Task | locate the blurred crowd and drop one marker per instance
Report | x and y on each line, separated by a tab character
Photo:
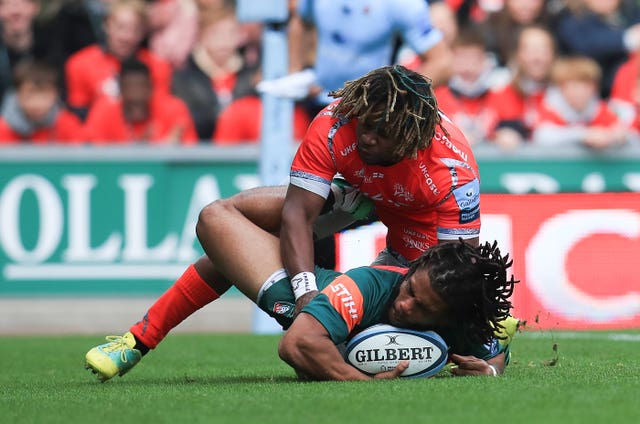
507	72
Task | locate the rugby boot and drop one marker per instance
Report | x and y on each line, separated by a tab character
116	357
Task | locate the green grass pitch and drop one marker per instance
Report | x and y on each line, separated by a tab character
222	378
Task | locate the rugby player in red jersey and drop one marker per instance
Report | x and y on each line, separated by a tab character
387	138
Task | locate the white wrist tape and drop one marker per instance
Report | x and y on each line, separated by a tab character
494	372
303	283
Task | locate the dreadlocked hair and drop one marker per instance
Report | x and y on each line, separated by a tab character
473	282
396	99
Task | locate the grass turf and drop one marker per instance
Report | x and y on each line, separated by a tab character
221	378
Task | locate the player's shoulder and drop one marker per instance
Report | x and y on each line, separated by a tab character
87	55
333	129
448	142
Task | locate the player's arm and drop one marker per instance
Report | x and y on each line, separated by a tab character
470	365
300	210
308	348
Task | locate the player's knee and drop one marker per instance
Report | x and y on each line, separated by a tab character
210	215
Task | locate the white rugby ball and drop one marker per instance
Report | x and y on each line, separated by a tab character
381	347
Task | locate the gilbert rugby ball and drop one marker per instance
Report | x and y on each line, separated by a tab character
381	347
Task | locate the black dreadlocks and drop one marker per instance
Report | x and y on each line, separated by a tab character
473	283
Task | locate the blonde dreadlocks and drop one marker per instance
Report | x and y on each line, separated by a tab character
393	97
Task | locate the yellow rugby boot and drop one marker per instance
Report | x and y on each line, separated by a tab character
116	357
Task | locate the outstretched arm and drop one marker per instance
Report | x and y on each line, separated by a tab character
470	365
307	347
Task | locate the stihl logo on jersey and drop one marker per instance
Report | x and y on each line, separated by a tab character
346	298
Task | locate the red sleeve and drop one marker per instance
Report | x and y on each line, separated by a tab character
78	94
507	104
300	122
69	128
183	117
7	135
239	122
605	117
625	81
103	124
445	102
547	116
161	71
314	158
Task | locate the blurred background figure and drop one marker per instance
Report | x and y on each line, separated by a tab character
91	73
20	37
605	30
500	26
466	99
241	122
173	27
625	92
75	24
34	113
572	111
517	104
141	114
443	17
342	41
215	73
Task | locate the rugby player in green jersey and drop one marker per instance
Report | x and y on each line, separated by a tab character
460	291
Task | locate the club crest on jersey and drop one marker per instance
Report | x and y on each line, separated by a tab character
400	191
283	308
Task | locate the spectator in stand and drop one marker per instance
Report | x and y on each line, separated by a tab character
625	92
92	72
241	122
499	27
20	38
215	73
141	114
173	27
443	18
34	112
517	104
605	30
473	12
78	24
572	111
466	99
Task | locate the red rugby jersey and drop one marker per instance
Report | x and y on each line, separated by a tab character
106	123
435	196
91	74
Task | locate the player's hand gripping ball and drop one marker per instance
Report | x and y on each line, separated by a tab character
381	347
